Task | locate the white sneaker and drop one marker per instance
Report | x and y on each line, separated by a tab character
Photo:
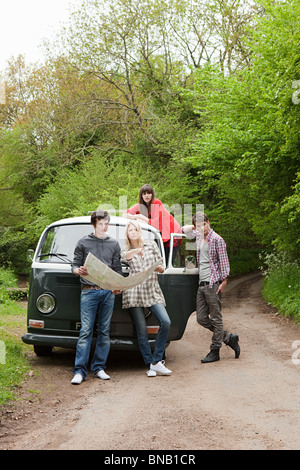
102	375
160	368
77	379
151	373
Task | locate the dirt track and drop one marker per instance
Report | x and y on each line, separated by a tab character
248	403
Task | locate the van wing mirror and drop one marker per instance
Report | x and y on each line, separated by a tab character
190	262
30	254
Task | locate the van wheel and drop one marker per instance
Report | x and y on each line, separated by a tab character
42	350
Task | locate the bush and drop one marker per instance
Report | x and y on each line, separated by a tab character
245	261
282	284
7	279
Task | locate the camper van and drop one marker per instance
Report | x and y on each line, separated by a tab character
53	317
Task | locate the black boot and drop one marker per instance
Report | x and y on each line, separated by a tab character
212	356
233	344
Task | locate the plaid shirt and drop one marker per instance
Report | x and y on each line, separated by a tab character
147	293
218	258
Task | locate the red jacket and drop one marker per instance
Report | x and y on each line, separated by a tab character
161	219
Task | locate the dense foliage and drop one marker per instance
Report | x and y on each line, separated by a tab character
199	100
282	284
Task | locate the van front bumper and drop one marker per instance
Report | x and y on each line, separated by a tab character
71	341
50	340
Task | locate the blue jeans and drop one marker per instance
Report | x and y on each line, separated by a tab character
94	302
163	319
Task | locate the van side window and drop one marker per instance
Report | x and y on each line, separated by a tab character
186	256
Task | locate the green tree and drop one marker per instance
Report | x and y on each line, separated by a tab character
110	97
249	146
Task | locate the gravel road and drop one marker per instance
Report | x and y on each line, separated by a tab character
248	403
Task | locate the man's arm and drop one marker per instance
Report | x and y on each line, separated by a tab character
116	260
78	261
224	264
116	264
222	286
189	231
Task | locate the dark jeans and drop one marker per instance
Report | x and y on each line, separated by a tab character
162	316
209	314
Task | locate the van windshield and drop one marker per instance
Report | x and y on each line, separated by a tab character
59	242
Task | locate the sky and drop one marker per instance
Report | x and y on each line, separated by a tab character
25	23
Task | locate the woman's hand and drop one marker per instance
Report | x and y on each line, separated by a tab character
142	218
134	251
160	269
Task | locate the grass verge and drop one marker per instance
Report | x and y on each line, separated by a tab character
13	359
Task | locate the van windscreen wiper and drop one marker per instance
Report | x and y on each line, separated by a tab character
58	255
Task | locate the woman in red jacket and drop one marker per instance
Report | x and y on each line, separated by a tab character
153	212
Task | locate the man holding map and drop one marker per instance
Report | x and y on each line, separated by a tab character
94	299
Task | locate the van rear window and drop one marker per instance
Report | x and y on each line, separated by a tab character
59	242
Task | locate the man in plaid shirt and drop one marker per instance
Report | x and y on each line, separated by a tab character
213	265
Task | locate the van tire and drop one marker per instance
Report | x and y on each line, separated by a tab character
42	350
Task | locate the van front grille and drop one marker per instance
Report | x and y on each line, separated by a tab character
67	281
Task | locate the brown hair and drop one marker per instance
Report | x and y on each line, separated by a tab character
146	189
144	209
98	215
199	217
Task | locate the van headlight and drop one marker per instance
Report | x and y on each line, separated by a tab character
45	303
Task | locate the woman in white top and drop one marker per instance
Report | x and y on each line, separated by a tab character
140	255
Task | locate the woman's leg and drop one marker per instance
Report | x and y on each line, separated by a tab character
164	327
139	320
